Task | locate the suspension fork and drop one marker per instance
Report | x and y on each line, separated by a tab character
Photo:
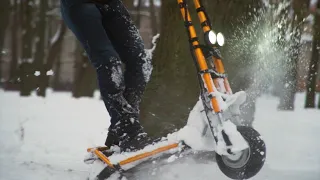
202	66
199	56
206	27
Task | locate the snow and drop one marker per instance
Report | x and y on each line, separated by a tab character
172	158
116	75
50	72
147	3
147	65
56	36
313	2
236	139
4	51
42	137
47	138
197	123
294	135
37	73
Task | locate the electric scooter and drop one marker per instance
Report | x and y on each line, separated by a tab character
239	150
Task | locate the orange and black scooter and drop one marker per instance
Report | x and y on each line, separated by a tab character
240	151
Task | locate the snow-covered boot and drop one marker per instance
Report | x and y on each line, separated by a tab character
112	139
129	135
138	142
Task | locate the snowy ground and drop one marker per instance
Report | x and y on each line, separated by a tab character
46	139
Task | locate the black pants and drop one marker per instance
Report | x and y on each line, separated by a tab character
111	39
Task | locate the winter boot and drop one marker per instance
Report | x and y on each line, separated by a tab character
137	142
129	135
112	139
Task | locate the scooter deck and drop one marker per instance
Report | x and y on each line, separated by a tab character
135	157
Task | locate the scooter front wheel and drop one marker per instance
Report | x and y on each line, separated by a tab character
247	163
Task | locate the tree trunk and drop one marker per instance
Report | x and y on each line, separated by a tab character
78	54
173	89
4	21
138	14
128	4
57	85
312	76
12	83
153	18
54	50
319	102
39	56
289	84
26	69
85	81
313	67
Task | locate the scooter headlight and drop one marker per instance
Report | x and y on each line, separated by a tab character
220	39
211	37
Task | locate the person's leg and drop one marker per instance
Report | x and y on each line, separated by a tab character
128	43
85	21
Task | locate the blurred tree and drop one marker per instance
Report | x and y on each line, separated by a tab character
25	68
295	22
5	7
153	18
131	8
52	16
319	102
56	85
129	4
85	82
312	75
313	66
39	56
54	50
138	13
173	89
12	83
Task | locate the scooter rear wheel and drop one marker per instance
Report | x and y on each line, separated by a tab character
247	163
